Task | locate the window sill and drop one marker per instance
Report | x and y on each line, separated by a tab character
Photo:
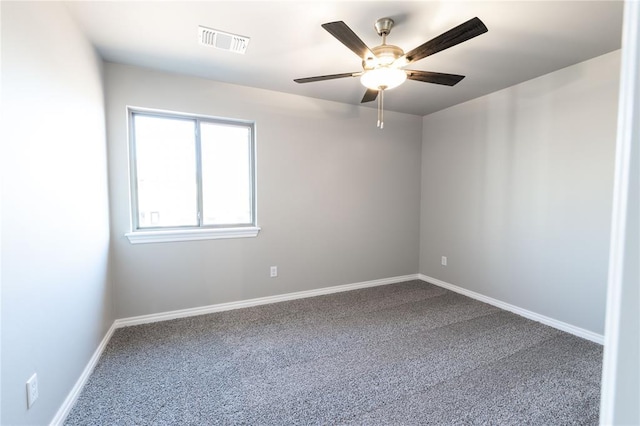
144	237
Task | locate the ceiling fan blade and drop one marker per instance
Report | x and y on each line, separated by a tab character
369	95
434	77
463	32
327	77
346	36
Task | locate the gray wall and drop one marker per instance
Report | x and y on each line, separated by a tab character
55	289
338	199
517	190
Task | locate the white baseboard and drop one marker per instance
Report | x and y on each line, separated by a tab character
576	331
68	403
202	310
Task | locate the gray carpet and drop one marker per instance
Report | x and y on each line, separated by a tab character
409	353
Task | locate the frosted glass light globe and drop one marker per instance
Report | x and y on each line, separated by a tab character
383	77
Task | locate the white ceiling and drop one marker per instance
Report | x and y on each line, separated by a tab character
525	40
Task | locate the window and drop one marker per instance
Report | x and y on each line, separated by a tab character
192	177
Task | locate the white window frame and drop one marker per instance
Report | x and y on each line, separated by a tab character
139	235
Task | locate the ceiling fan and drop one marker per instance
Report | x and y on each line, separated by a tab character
383	66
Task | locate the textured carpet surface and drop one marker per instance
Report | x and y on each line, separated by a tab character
409	353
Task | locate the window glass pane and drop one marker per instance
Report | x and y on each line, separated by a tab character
226	174
166	172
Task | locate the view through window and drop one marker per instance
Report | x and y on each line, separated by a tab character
191	171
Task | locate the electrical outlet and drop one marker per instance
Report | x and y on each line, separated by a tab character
32	390
443	261
273	272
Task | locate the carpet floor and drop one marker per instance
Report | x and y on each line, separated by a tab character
409	353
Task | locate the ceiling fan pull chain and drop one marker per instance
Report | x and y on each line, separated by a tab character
381	108
378	125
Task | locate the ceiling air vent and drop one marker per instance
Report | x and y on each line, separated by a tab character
221	40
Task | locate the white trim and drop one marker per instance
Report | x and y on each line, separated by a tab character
628	106
202	310
572	329
144	237
68	403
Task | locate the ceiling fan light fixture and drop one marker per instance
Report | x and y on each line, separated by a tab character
383	65
383	78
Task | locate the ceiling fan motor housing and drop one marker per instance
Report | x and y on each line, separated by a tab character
386	54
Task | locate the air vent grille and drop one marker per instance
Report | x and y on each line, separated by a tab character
223	40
